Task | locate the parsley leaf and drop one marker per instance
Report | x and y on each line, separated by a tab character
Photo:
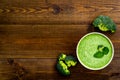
102	50
98	54
105	50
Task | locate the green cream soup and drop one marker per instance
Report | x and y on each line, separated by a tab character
87	47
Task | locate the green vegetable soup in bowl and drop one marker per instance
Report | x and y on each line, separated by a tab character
95	51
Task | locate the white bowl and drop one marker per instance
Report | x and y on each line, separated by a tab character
83	62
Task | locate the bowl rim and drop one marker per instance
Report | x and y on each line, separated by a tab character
109	42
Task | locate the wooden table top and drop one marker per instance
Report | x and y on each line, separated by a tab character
34	32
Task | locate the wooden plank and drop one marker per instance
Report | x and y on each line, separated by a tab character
45	69
56	12
34	33
33	41
49	65
39	41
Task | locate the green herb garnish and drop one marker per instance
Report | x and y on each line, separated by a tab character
98	54
102	50
105	50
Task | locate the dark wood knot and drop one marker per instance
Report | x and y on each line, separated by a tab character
56	9
10	61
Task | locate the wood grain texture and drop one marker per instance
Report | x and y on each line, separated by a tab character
22	41
53	12
46	70
34	32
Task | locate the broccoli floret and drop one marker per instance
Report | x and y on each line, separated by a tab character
104	23
64	62
100	48
62	57
70	61
62	68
